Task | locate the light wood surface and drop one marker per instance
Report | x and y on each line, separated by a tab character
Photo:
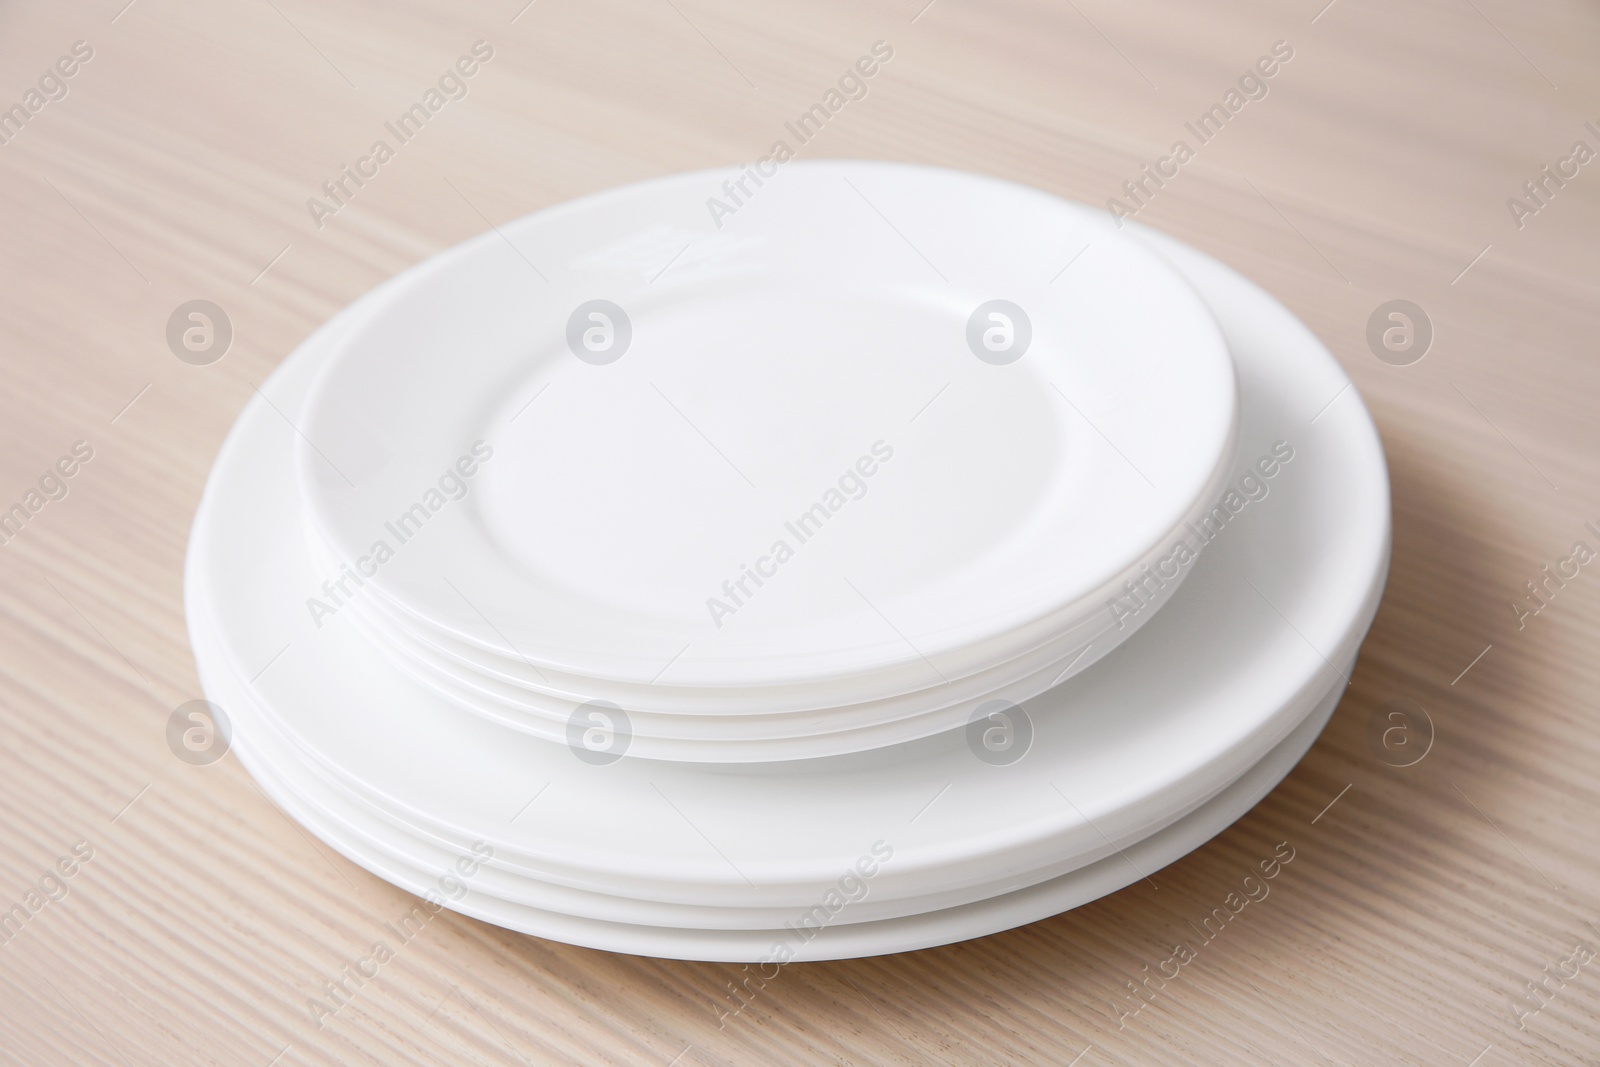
1378	166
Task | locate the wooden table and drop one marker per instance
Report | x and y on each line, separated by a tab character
1377	166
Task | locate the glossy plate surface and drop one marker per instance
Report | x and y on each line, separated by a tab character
807	449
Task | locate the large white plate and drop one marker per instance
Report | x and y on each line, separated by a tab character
353	819
762	491
1218	678
437	875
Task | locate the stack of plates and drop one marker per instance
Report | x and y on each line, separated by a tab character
840	577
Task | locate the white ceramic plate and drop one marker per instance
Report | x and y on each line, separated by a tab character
351	820
725	738
545	693
1203	692
757	487
436	875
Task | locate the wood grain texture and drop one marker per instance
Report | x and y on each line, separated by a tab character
1378	166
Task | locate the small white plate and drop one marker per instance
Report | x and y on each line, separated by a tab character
733	712
1219	677
724	737
794	457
